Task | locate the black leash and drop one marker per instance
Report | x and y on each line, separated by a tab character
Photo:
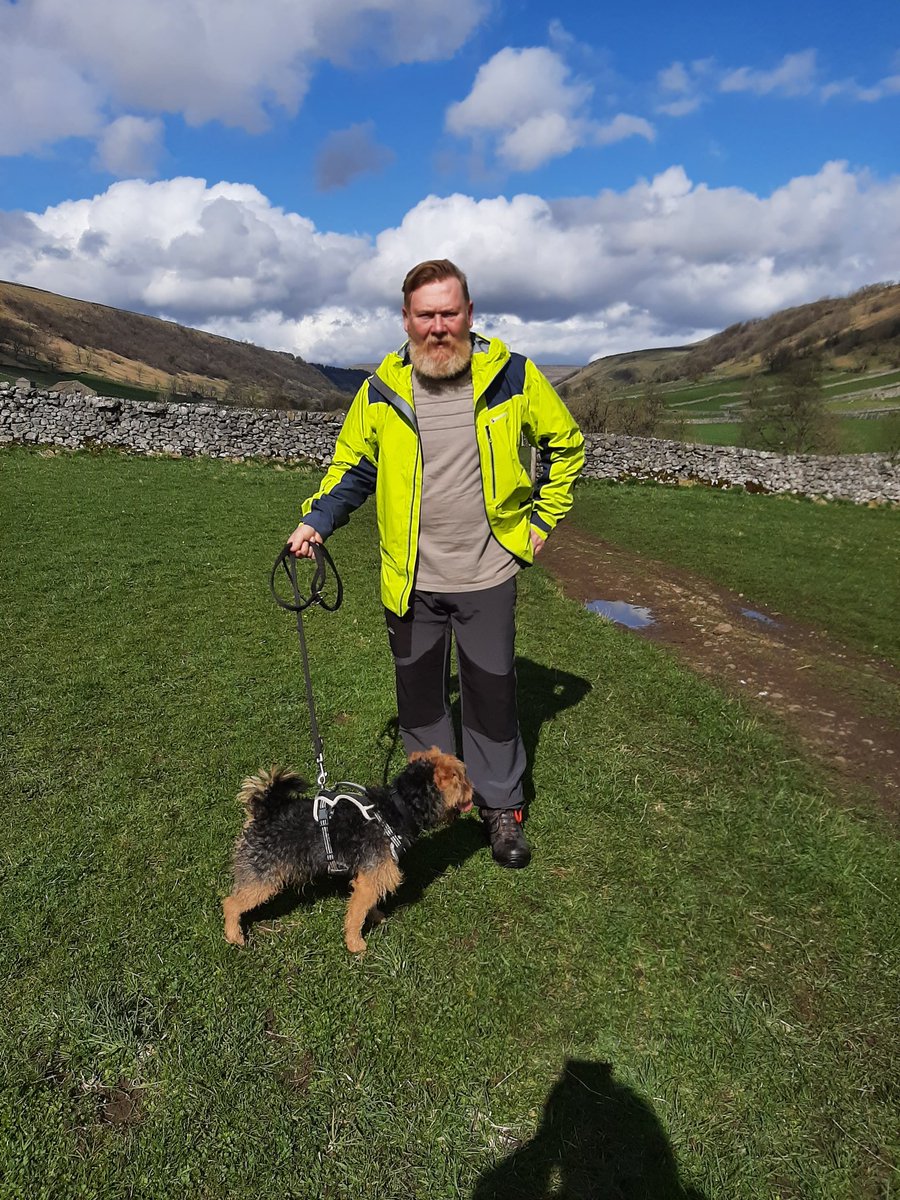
326	798
324	564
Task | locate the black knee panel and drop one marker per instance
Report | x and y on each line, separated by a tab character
488	700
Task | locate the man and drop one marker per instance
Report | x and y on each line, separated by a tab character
435	433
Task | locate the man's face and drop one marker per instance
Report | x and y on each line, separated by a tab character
437	320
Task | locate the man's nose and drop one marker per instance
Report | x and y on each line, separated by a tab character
438	325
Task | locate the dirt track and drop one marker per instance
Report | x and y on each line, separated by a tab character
825	693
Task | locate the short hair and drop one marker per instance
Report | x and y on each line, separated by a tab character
432	271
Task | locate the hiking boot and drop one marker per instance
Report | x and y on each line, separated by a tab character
504	829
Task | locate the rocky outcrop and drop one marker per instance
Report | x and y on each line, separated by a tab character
29	416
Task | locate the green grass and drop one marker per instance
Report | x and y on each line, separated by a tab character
855	436
701	914
831	565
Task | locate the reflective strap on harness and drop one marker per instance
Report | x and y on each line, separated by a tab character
325	801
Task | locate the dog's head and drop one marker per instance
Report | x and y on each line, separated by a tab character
450	779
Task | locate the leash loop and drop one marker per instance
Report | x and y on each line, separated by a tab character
324	564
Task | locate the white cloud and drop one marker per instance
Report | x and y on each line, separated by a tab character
222	60
45	99
621	127
665	261
680	87
130	146
527	102
849	88
538	139
675	78
795	75
516	86
347	153
683	88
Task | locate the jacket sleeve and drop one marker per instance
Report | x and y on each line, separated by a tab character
350	479
550	427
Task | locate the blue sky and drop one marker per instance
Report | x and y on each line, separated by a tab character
610	177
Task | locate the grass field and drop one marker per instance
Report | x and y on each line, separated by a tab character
716	394
857	436
704	929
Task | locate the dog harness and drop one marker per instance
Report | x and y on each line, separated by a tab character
323	804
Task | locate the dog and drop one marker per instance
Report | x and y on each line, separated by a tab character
281	842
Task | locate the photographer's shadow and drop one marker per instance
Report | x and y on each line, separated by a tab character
598	1140
543	692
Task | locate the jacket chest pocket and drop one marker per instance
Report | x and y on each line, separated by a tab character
501	440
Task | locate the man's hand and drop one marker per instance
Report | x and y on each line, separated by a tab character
300	541
537	543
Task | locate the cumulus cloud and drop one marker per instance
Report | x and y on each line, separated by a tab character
208	60
665	261
347	153
529	105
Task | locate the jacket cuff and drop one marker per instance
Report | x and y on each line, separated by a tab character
319	522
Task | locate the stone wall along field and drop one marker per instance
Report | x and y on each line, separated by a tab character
32	417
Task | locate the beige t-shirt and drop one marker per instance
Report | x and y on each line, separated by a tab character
457	551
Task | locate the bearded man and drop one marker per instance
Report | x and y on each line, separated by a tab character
435	433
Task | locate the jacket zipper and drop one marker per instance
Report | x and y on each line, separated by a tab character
411	566
487	430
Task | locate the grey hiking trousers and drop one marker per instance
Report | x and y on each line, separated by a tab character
483	624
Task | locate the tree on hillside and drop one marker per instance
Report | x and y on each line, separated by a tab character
600	410
789	415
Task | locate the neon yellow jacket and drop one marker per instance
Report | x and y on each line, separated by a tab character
378	450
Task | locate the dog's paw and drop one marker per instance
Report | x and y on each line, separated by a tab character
356	945
234	933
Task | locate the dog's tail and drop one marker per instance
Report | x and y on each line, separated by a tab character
269	790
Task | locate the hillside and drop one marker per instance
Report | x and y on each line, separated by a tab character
55	336
860	332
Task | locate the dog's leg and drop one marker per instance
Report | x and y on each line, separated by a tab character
368	888
242	900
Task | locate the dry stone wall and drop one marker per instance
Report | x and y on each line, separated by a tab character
29	416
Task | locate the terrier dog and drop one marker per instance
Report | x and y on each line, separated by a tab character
281	842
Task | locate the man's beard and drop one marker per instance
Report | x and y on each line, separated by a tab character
444	361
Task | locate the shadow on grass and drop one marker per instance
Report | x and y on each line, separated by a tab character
432	856
597	1139
543	692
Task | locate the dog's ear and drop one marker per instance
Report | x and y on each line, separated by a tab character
448	771
425	755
